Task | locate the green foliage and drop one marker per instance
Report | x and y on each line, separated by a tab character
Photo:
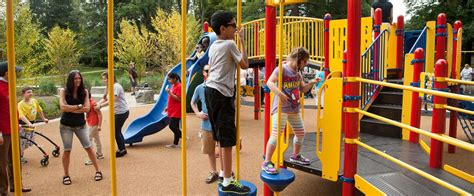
46	87
62	51
51	108
125	82
29	50
92	35
154	80
167	40
131	45
52	13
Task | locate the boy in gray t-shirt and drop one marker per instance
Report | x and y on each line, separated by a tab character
219	91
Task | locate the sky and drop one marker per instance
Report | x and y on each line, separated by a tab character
399	8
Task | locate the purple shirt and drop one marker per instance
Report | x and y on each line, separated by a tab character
291	88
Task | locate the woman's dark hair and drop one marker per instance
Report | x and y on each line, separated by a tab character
173	75
220	18
81	91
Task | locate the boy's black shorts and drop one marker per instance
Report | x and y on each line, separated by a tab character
221	112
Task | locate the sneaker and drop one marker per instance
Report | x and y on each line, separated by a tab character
221	178
172	146
120	153
236	188
299	159
88	162
99	156
269	168
213	176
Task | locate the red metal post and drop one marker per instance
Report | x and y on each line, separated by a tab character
453	121
400	37
351	119
256	85
205	27
327	20
441	36
415	99
270	62
438	124
377	23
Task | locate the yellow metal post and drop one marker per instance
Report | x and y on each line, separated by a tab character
406	100
12	92
183	95
280	80
237	116
110	89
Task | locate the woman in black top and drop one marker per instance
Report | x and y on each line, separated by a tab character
73	103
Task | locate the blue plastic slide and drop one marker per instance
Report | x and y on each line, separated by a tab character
157	118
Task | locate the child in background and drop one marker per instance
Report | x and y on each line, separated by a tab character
28	108
199	52
94	122
289	96
174	108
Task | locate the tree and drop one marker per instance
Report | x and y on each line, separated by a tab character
29	51
92	36
131	45
62	51
167	40
463	10
51	13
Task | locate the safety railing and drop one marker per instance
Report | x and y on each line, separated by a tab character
298	31
420	41
436	136
373	66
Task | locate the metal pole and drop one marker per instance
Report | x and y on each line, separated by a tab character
415	99
400	36
351	120
438	124
183	97
376	56
110	84
237	154
256	85
453	121
270	61
327	20
12	98
441	37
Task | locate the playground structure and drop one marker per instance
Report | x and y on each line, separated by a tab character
382	61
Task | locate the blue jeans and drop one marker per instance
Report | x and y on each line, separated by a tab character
67	133
119	121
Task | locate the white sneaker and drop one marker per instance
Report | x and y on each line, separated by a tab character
172	146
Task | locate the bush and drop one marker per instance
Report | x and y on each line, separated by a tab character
46	87
154	80
51	110
125	82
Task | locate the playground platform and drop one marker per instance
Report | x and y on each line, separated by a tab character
383	174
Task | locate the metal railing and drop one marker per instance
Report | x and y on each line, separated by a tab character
298	31
420	41
373	62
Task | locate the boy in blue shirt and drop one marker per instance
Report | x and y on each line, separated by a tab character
208	142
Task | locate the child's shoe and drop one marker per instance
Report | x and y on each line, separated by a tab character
213	176
172	146
236	188
269	168
88	162
221	178
299	159
99	155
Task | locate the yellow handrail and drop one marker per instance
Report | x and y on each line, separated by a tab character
413	169
465	82
237	154
419	90
459	110
449	140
